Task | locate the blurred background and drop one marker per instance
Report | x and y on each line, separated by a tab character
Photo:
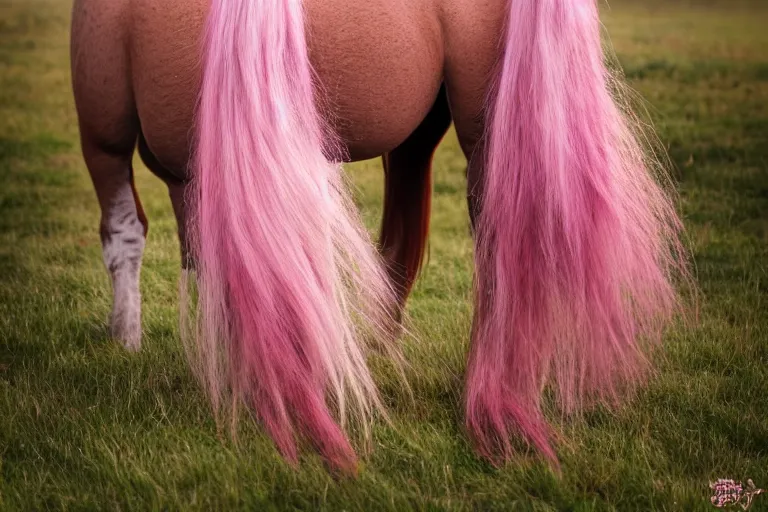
84	425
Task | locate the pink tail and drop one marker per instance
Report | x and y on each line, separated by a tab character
288	277
577	245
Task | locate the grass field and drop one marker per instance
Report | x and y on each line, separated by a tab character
85	425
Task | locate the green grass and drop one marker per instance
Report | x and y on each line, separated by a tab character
85	425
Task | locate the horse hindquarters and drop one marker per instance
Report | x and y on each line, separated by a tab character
108	130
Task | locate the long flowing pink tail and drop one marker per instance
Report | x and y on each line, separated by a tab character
577	245
289	282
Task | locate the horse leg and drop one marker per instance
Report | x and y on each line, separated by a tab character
123	230
467	92
177	189
407	198
471	142
108	130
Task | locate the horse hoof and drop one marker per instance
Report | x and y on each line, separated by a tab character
128	333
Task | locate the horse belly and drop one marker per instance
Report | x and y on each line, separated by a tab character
380	69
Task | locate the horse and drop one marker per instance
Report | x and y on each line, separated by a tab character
246	109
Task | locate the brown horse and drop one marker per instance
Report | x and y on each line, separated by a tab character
520	79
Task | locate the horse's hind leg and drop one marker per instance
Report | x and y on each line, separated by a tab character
123	231
408	195
108	130
177	189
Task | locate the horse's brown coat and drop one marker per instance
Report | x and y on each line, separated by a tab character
380	63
